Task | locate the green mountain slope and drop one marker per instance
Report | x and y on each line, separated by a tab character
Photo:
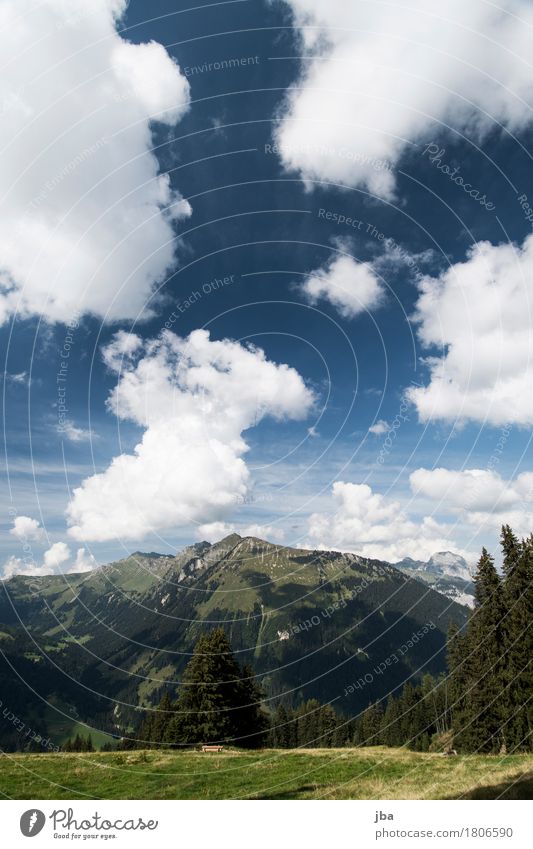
333	626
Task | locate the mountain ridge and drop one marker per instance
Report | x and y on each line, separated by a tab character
311	623
446	571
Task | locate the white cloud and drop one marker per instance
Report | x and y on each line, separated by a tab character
17	566
380	76
21	379
75	434
271	533
84	562
369	524
54	560
123	346
479	312
146	72
481	497
352	287
379	428
215	531
86	218
195	398
56	555
27	529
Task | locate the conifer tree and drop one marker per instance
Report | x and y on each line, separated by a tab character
390	733
279	729
481	721
511	550
218	701
368	732
518	629
461	665
328	724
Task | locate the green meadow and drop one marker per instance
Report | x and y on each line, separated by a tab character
368	773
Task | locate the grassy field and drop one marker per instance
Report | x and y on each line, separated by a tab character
373	773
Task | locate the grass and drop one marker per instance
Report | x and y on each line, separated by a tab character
372	773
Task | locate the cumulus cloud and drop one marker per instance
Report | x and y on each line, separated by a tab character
350	286
27	529
215	531
73	433
480	496
86	224
84	562
478	312
18	566
367	523
56	555
54	560
379	76
379	428
194	397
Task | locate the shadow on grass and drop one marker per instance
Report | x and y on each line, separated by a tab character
519	786
287	794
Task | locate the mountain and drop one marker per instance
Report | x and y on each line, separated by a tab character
95	647
446	572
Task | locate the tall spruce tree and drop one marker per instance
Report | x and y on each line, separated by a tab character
368	729
218	701
461	666
511	550
480	725
518	631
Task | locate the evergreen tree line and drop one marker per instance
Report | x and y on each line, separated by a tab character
79	744
311	725
490	663
419	718
484	703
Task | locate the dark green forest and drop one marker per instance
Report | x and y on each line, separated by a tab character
483	703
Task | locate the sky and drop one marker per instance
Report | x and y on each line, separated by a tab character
265	268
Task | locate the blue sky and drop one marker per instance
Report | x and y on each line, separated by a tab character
390	301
